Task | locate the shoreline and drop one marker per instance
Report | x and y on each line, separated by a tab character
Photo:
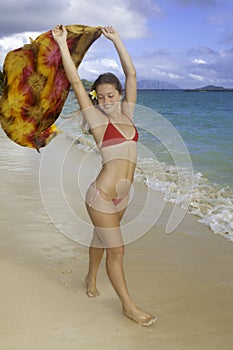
185	278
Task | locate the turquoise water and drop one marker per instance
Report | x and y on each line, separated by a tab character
185	150
205	122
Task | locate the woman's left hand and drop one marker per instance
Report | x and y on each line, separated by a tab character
110	33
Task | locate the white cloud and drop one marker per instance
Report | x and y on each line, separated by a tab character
129	17
162	74
130	22
199	61
17	40
196	77
13	42
90	69
189	68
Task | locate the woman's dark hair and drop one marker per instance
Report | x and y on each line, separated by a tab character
107	78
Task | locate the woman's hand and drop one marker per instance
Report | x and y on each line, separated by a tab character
59	34
110	33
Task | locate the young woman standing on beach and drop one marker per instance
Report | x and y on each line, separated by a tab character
110	122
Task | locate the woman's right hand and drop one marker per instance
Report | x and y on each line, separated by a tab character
59	34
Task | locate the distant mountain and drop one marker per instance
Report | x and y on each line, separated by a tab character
147	84
210	88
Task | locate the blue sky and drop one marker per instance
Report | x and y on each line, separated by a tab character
185	42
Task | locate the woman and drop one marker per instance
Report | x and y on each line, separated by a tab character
110	122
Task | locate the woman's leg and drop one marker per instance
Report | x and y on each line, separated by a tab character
115	270
108	231
95	257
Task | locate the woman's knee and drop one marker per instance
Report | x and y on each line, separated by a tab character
116	252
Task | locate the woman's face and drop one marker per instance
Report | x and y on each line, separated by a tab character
108	98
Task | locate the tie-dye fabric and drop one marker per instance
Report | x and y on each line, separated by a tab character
35	85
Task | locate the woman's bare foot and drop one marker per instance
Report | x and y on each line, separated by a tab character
91	289
140	317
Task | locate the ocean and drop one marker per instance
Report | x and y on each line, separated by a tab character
185	150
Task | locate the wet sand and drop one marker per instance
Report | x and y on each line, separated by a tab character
185	278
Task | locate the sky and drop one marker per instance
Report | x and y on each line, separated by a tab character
184	42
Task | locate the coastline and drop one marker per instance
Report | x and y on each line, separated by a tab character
185	278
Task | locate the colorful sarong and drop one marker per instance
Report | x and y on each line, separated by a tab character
35	85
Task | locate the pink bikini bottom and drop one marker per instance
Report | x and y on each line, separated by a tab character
106	233
98	199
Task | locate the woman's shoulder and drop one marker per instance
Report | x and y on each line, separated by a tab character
97	124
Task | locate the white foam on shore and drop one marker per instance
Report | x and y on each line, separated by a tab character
214	205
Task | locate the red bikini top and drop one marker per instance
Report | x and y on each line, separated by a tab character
113	136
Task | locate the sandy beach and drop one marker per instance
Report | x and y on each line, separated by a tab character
185	278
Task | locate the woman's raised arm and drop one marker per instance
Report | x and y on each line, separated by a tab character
60	36
127	66
89	112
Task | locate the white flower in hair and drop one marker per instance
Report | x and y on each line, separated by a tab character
93	94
